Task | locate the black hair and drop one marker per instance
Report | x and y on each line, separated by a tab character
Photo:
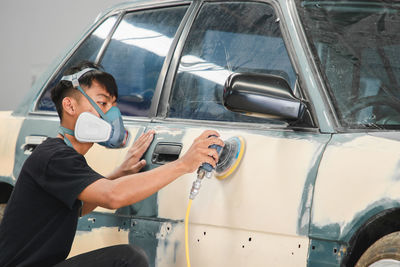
65	89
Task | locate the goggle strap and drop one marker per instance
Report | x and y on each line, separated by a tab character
97	108
74	78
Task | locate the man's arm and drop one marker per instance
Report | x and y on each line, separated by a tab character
131	164
133	188
113	194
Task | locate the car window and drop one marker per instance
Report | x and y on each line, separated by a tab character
358	55
88	50
226	38
136	54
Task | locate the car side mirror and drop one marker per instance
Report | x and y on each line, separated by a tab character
257	94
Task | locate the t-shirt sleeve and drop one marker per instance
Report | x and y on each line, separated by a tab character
67	175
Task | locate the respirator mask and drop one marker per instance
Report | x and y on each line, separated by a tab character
108	130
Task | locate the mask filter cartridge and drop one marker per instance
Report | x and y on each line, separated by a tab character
90	128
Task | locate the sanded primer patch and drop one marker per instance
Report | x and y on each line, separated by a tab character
215	246
171	246
353	175
9	130
263	194
86	241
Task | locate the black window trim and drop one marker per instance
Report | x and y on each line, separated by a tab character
173	66
155	102
107	41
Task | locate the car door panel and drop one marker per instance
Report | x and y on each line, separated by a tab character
265	200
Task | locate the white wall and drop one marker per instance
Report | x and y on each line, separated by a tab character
33	34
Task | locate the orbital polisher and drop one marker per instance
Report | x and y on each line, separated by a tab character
229	158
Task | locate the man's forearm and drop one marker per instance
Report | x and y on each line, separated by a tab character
126	190
136	187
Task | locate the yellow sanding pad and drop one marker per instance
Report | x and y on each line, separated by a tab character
230	157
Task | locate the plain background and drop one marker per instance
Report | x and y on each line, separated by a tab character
34	34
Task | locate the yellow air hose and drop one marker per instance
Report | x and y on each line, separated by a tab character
187	232
235	155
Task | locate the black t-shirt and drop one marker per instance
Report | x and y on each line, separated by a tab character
41	216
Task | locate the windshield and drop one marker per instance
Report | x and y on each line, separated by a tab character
356	45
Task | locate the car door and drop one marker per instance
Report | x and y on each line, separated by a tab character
259	216
132	45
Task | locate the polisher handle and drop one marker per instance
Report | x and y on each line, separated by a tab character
206	166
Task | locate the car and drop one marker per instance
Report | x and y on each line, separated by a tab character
312	88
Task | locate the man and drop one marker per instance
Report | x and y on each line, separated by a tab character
56	185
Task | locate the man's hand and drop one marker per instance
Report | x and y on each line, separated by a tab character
200	152
132	163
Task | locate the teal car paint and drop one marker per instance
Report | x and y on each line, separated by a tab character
307	197
306	67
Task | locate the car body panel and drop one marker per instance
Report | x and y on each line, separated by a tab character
216	246
279	169
9	129
364	195
97	238
32	126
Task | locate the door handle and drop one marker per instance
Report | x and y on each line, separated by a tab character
31	142
166	152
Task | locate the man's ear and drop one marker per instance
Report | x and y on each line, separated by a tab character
69	105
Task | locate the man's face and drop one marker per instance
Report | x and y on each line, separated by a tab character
99	95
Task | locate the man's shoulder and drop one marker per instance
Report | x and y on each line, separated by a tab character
52	144
52	147
54	141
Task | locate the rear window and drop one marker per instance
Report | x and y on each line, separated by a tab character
136	55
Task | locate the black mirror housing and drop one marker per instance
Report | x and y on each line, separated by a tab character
257	94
